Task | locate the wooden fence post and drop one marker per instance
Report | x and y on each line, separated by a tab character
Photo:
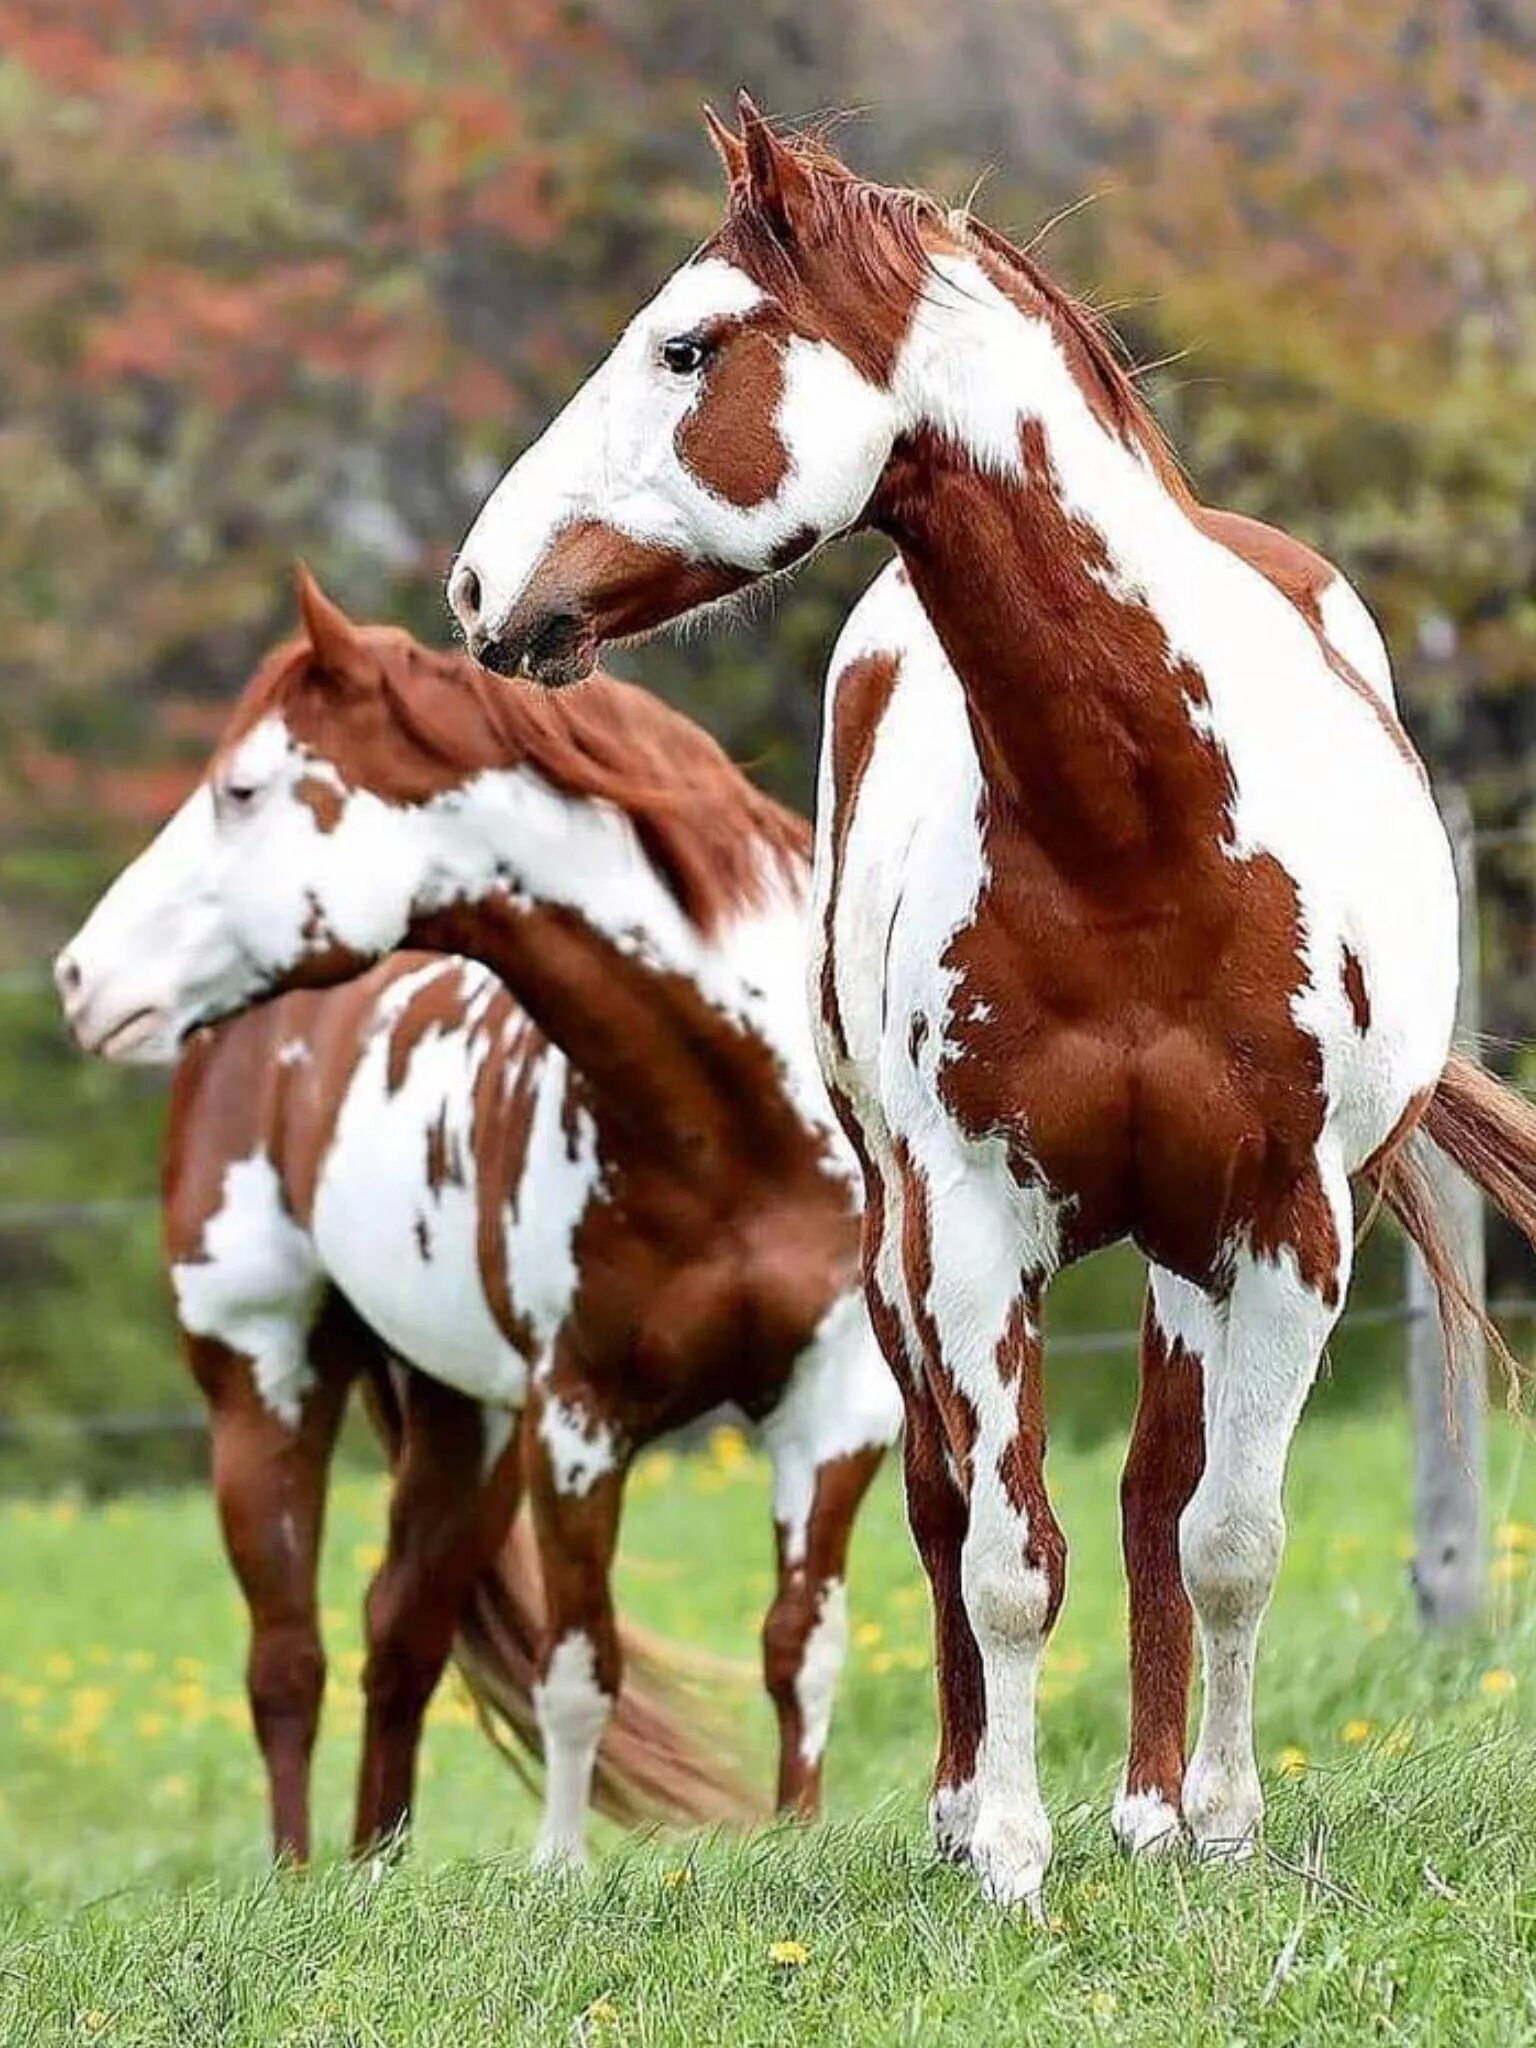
1450	1553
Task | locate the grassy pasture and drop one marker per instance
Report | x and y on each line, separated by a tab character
1395	1901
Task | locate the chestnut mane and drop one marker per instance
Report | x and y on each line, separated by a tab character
885	236
716	841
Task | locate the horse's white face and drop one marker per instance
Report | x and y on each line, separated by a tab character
715	445
271	874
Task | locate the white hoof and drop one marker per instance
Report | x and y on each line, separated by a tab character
1144	1824
1011	1853
559	1853
1223	1810
952	1816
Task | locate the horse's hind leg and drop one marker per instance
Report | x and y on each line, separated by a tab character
575	1475
1280	1312
826	1439
1180	1331
455	1491
269	1476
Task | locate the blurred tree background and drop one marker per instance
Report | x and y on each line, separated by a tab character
287	281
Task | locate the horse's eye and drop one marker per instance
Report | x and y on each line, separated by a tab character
238	796
685	354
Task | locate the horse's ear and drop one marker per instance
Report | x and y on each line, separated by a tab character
775	178
341	651
730	149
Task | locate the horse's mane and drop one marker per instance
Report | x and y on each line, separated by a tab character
718	843
885	236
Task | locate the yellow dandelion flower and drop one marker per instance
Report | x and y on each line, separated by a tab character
1496	1685
149	1726
92	2020
912	1660
1515	1536
368	1556
1290	1762
1398	1740
1510	1564
173	1788
139	1660
909	1596
98	1653
679	1875
790	1954
602	2012
1103	2004
869	1635
1357	1731
729	1449
57	1666
882	1662
65	1512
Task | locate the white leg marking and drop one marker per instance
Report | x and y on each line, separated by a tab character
1233	1530
572	1711
1144	1824
821	1667
952	1816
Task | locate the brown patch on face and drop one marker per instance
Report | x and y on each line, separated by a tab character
1162	1470
595	585
322	798
1352	974
729	440
1134	982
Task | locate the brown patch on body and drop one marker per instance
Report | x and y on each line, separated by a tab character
1162	1469
729	439
860	698
1352	974
1021	1466
1135	981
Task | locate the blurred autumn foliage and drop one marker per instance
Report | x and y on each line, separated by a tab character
286	280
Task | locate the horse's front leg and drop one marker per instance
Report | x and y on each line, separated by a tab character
826	1439
967	1259
1179	1334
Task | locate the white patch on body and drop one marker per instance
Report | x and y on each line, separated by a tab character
255	1286
572	1711
373	1190
821	1666
841	1398
581	1447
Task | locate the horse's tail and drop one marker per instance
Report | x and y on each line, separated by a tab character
1488	1131
650	1765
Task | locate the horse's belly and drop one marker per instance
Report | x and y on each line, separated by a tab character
396	1214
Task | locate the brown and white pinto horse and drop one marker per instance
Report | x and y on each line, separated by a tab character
609	1205
1138	919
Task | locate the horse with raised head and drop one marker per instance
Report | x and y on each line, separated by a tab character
1137	917
592	1182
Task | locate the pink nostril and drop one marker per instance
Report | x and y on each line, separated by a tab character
465	597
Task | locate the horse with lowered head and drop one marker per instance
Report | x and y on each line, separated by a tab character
588	1189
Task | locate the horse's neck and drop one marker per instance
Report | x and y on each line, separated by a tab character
1046	552
685	1034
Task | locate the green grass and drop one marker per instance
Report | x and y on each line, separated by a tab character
135	1905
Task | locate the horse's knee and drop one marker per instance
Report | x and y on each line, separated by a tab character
285	1681
1009	1600
1229	1552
